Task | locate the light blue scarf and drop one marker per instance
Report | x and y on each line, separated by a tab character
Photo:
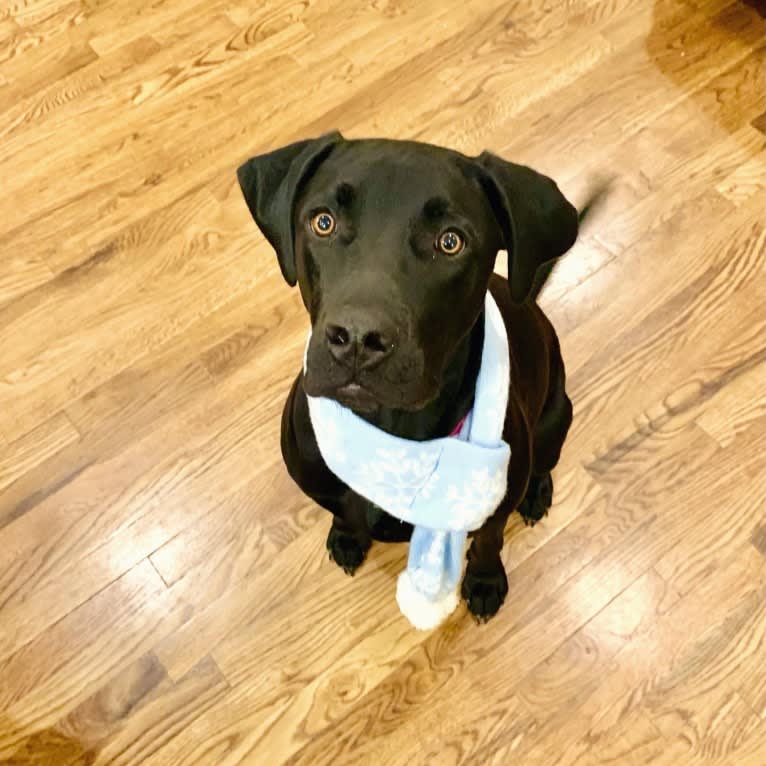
444	487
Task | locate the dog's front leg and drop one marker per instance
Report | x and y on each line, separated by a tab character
349	538
485	584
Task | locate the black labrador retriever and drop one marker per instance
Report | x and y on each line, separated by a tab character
393	245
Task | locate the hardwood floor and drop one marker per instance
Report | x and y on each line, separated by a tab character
165	595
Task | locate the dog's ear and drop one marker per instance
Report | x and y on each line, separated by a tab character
538	222
271	182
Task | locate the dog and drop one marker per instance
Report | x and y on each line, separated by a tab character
393	246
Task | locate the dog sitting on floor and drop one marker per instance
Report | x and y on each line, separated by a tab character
393	246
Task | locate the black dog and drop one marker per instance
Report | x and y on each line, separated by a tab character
393	246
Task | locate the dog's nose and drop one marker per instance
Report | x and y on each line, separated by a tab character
358	344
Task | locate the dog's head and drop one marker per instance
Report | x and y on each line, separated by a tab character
392	244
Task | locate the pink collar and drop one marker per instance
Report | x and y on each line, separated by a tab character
458	427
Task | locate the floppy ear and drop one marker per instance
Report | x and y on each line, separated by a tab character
270	183
538	222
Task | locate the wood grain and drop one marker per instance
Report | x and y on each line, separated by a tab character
137	611
23	454
165	594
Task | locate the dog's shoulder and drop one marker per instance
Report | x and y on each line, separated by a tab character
533	348
534	352
300	450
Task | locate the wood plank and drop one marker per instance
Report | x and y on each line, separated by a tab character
21	455
228	544
59	589
708	546
735	96
118	24
79	91
496	43
648	672
104	537
52	46
736	407
179	484
91	644
633	83
157	120
547	691
744	182
145	397
111	311
599	301
750	753
642	359
107	708
695	174
117	724
559	683
42	13
239	608
22	274
260	706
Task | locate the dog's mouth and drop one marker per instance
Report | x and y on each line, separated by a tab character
360	397
356	397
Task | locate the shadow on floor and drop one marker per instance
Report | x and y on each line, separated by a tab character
44	748
739	29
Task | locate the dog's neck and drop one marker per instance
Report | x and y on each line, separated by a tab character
452	403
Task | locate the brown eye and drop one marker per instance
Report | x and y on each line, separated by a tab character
450	243
323	224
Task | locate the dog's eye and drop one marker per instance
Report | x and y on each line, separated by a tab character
323	224
450	242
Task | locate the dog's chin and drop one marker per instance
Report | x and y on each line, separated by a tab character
351	394
356	398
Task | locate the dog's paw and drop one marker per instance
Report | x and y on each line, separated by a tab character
538	499
485	593
345	550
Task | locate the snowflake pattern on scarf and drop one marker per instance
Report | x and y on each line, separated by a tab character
467	502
